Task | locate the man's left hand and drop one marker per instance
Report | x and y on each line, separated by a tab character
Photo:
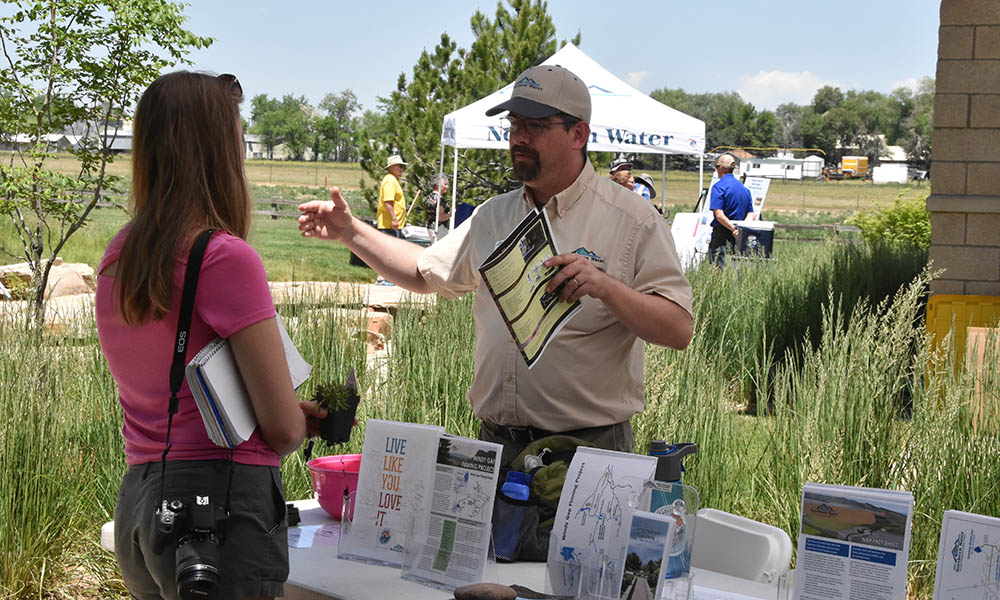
582	278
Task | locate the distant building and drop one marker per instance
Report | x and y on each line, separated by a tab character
775	168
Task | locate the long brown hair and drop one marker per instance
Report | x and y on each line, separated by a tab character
187	176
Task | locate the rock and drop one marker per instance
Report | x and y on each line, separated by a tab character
65	279
485	591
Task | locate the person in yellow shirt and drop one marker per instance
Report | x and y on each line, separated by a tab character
391	214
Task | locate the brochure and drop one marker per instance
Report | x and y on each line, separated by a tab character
450	538
393	482
516	278
592	522
646	555
968	565
854	543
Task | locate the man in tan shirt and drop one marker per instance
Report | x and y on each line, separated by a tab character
619	261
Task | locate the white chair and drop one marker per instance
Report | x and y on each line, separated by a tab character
741	547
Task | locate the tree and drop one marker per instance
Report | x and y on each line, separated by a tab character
520	34
73	63
265	116
338	126
789	125
826	97
287	121
918	126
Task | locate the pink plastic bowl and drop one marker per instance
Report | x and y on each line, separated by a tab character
330	476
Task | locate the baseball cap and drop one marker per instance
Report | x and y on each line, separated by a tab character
620	163
546	90
726	161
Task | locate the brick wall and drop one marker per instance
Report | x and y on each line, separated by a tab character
965	173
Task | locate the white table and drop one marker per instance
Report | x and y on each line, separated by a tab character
316	573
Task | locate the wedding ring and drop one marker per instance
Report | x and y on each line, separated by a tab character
575	281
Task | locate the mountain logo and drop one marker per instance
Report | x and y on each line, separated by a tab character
593	257
528	82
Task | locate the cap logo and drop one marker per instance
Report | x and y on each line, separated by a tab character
528	82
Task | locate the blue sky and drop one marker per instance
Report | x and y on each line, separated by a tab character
769	51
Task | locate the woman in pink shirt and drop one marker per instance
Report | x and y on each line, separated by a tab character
187	177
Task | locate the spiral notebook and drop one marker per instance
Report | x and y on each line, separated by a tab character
220	394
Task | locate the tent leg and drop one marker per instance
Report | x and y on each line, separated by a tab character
663	188
701	174
432	225
454	191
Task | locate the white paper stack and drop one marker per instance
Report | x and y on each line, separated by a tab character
221	396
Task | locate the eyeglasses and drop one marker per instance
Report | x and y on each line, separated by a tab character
534	127
233	82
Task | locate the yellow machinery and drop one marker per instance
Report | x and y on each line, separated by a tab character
854	166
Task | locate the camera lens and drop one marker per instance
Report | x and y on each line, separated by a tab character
197	568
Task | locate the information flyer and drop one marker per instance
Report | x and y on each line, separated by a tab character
968	557
393	483
451	537
854	543
591	528
516	277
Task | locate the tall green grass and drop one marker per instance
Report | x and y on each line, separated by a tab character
827	343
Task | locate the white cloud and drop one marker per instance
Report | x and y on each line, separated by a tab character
768	89
635	78
912	83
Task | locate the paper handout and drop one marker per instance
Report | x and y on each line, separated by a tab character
854	543
392	484
516	277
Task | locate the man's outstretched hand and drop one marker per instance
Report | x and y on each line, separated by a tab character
325	220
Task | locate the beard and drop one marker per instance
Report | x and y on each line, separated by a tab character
525	170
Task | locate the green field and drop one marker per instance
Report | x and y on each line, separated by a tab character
288	257
835	197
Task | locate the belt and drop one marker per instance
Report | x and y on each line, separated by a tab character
526	434
521	435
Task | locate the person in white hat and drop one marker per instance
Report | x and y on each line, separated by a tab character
620	262
391	212
621	173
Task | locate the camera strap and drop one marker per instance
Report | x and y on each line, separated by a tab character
179	362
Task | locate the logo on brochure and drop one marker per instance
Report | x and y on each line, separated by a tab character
825	509
958	551
528	82
591	256
384	537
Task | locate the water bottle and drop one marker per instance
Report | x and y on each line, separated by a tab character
670	500
507	526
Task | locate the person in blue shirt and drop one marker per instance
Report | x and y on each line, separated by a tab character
730	201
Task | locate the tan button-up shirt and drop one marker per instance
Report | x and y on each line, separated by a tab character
591	373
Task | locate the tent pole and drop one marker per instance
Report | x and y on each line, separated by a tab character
663	188
454	190
701	174
432	224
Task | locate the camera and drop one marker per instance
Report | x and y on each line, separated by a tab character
198	527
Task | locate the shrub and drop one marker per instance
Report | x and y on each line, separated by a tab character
905	224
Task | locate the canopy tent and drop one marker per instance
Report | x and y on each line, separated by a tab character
623	119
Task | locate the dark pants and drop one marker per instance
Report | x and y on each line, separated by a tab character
254	551
515	439
393	232
722	242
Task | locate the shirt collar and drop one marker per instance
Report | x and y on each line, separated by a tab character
564	200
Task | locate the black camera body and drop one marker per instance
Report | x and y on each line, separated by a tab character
198	527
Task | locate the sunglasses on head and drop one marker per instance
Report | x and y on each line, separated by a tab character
233	82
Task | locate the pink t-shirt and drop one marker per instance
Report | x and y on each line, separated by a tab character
232	294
